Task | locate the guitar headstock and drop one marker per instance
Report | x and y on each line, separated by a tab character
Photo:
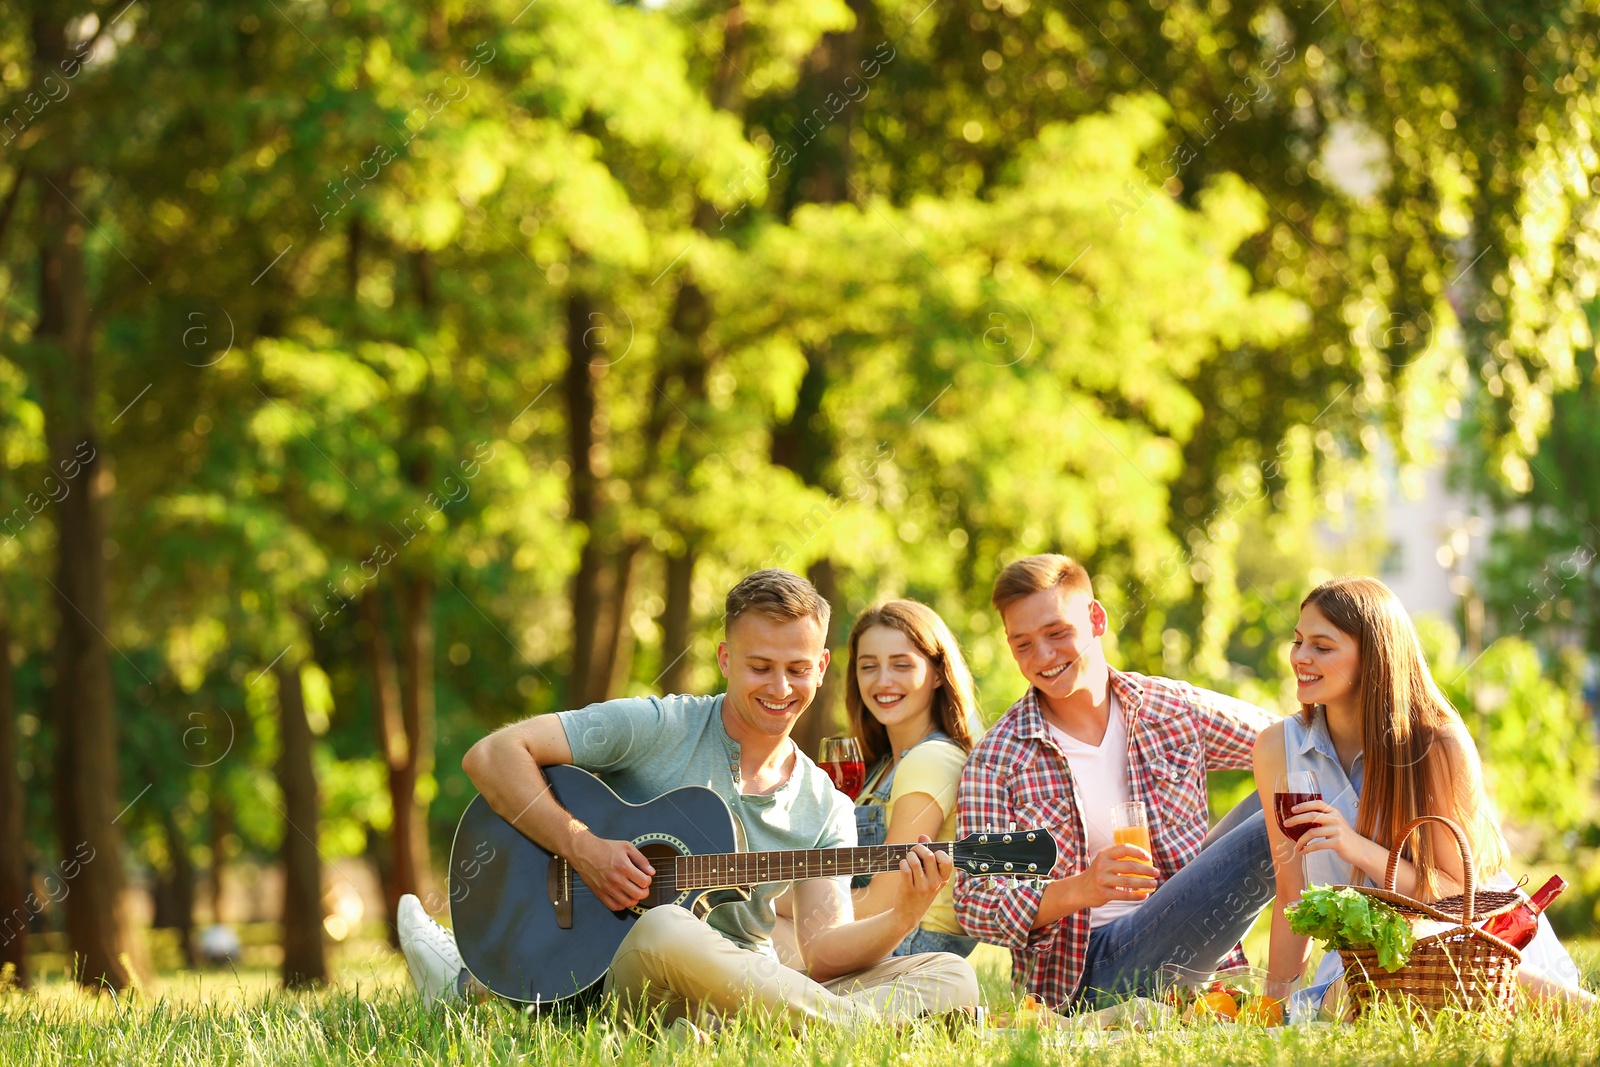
1026	853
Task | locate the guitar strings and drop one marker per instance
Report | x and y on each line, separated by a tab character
667	882
670	888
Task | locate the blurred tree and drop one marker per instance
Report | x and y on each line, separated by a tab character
21	448
805	441
16	913
61	358
1539	579
304	963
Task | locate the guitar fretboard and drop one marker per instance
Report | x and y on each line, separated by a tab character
729	869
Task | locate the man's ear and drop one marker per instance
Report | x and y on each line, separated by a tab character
822	664
722	657
1097	618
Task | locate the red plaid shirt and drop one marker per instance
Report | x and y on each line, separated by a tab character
1176	734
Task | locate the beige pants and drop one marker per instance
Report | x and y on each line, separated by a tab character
675	962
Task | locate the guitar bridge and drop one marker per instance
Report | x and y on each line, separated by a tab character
558	884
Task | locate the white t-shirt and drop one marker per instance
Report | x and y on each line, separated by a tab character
1101	774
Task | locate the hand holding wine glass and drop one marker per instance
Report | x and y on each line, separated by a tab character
841	758
1294	787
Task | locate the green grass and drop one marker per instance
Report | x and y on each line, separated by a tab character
370	1017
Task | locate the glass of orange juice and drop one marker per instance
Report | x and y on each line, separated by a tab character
1129	826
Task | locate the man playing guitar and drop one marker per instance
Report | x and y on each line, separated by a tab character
737	744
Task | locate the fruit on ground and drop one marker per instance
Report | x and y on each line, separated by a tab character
1212	1007
1262	1011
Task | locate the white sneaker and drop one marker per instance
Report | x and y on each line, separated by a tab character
431	953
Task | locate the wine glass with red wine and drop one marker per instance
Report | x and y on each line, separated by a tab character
841	758
1294	787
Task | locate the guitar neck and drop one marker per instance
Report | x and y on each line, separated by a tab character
727	870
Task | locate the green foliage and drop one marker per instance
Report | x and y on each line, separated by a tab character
1539	579
1533	732
1346	918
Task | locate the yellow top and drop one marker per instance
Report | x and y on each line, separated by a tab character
934	768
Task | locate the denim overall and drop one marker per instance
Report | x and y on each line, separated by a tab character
872	828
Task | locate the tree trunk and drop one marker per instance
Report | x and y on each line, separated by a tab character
175	891
417	711
422	264
677	621
805	444
394	747
825	716
10	203
616	651
602	629
352	256
15	914
822	168
99	928
584	436
683	359
802	444
221	826
304	962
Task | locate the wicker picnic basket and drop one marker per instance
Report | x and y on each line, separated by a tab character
1459	967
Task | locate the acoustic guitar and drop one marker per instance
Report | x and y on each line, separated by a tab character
531	930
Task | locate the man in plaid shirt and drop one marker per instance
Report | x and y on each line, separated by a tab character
1084	738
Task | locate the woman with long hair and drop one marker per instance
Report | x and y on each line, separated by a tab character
913	711
1386	746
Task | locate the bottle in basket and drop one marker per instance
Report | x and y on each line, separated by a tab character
1517	926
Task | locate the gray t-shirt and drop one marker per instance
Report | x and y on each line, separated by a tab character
644	746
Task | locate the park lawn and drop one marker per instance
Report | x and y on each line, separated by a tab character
370	1017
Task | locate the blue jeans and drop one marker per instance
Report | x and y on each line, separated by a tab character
920	940
1192	921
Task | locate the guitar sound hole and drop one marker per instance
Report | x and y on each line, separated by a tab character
661	856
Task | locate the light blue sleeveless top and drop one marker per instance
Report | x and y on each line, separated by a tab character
1310	748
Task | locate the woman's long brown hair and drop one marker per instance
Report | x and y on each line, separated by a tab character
1409	733
955	707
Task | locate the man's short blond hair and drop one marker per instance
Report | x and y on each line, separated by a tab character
778	595
1034	574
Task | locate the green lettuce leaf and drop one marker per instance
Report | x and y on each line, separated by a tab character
1344	918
